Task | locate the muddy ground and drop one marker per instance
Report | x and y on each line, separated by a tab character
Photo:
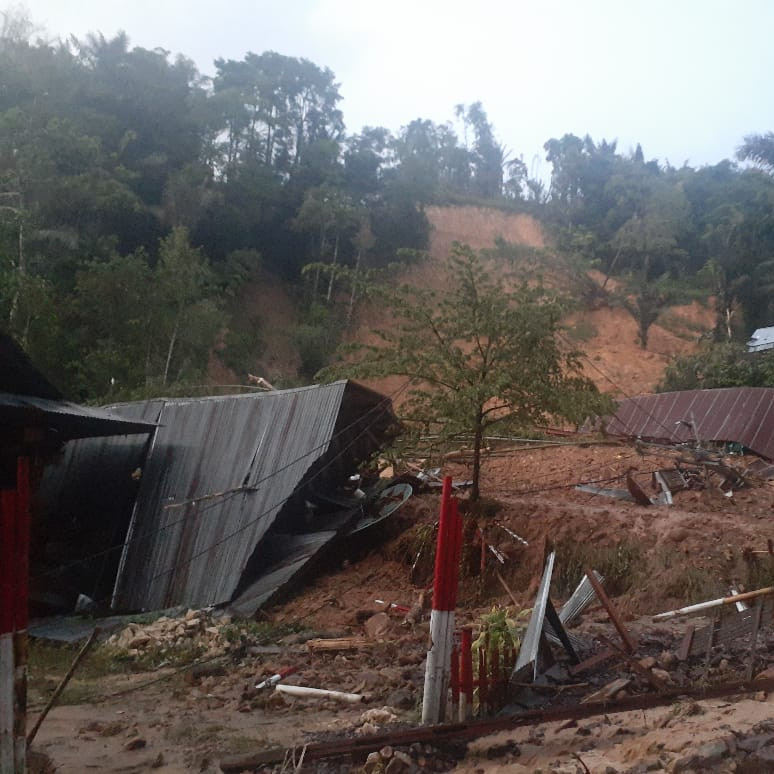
148	715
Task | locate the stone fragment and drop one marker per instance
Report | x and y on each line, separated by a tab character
378	626
136	743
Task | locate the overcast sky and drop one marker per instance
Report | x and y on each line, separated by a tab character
686	78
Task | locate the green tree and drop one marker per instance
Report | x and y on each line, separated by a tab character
758	148
477	356
724	364
189	314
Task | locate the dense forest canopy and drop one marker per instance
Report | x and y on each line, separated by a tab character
137	199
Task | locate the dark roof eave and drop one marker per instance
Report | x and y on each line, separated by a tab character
65	421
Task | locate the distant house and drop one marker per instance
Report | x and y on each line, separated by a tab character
762	339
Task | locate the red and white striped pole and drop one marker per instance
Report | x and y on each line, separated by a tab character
7	613
447	554
14	584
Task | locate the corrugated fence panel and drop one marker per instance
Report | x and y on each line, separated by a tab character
218	472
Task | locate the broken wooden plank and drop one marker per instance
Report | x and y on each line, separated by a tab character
607	692
595	661
338	643
356	748
629	643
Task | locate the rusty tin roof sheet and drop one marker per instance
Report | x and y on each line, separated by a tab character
218	472
743	415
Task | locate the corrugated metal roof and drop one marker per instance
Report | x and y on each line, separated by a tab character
64	421
743	415
219	471
762	338
87	495
19	376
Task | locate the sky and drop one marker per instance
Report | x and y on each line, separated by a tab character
688	79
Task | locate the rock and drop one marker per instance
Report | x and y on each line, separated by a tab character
372	763
648	662
753	743
704	758
136	743
763	759
386	752
366	729
378	626
667	660
662	674
766	674
402	698
379	717
394	766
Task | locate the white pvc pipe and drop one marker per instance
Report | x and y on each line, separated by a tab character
320	693
701	606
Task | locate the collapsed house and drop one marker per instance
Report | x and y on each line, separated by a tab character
738	417
227	500
761	340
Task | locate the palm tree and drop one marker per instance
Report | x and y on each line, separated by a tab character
758	148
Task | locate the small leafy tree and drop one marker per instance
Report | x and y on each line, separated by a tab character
476	356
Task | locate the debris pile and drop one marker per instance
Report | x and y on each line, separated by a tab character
197	629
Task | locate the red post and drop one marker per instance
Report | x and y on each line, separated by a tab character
466	674
494	672
21	612
455	676
456	552
483	687
7	560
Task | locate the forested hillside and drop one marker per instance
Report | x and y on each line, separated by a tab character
144	207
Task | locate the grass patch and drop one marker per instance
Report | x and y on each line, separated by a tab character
760	572
258	632
620	564
691	584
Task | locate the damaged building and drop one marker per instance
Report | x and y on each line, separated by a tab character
229	499
739	417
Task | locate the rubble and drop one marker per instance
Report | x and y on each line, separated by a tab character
196	628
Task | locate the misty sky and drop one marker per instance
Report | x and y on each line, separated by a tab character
686	78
